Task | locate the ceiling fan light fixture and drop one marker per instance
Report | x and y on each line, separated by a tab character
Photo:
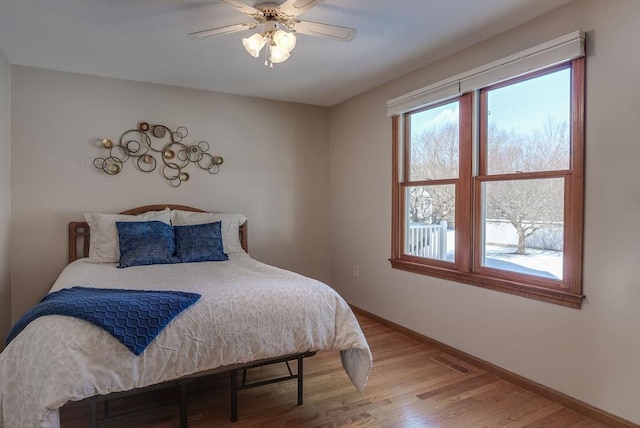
279	27
284	40
278	54
254	44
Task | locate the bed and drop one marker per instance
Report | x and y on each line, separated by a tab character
249	313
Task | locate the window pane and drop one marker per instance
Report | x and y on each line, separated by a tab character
523	226
434	143
430	221
529	125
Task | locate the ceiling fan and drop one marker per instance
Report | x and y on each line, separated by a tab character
275	21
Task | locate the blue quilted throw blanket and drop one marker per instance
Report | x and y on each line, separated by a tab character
134	317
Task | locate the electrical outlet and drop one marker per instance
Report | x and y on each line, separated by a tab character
356	271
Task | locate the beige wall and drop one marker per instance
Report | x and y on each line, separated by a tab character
5	196
275	171
591	354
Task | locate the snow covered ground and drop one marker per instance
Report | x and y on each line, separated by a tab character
545	263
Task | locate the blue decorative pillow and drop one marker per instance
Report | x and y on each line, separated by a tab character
146	243
200	243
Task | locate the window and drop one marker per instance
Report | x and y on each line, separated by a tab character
488	186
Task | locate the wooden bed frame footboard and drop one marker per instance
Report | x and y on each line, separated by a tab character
79	239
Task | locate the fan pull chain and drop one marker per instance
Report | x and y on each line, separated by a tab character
267	55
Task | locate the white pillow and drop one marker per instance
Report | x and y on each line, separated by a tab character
230	226
104	246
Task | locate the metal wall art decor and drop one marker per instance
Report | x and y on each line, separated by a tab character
143	144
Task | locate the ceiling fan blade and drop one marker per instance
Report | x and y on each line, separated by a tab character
345	34
222	30
294	8
244	8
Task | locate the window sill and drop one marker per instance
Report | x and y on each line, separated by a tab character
556	296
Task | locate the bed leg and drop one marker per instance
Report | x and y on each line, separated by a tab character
93	414
183	405
234	395
300	373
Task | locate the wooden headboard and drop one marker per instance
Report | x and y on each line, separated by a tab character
79	232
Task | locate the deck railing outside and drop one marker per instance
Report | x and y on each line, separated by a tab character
427	240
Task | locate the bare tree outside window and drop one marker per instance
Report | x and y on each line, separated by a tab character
526	138
434	155
528	205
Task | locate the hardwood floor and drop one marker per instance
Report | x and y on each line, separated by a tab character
411	386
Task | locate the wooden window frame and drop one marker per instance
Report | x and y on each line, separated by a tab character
467	267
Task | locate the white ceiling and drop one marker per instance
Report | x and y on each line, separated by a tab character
146	40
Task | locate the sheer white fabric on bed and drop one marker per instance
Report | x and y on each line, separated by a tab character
248	311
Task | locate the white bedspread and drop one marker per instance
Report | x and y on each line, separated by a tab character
248	311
